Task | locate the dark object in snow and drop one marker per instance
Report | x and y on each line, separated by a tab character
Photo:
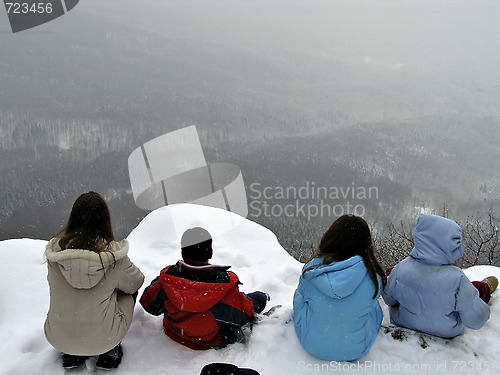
226	369
399	335
423	343
272	310
404	334
72	361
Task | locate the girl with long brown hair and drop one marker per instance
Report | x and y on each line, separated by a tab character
336	310
93	286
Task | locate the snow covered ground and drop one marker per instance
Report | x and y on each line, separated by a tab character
262	264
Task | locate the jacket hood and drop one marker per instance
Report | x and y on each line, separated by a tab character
195	296
338	279
437	240
83	269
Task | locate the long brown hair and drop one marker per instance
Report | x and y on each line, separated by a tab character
348	236
89	224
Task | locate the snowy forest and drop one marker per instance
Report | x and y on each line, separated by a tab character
288	100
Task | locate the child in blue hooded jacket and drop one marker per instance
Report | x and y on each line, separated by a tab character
426	292
335	307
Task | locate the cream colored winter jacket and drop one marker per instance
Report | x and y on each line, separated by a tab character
91	307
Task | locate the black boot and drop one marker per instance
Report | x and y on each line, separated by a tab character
110	360
72	361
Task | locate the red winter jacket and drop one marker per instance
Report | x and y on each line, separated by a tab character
196	302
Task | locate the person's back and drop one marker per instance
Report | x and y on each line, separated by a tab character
335	314
426	292
200	302
336	311
92	284
91	297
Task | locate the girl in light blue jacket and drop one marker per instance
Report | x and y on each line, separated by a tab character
335	307
426	292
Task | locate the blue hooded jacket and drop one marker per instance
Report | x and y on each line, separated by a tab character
426	292
336	317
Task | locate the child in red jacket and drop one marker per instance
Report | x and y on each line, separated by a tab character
201	305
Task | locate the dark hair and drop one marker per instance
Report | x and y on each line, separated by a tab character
196	245
348	236
89	224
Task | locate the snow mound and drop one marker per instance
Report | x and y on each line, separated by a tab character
261	264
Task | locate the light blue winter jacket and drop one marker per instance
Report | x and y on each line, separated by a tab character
426	292
336	317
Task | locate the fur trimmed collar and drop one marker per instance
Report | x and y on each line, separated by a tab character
53	253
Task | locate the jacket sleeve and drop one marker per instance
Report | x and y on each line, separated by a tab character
390	288
389	300
473	311
153	298
131	278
